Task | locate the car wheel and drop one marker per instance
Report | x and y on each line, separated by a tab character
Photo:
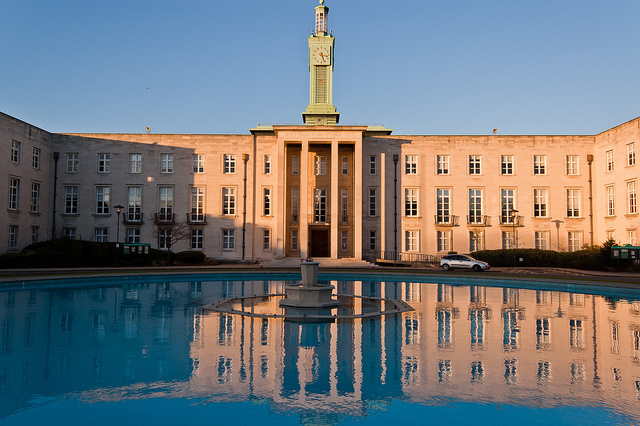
477	268
446	267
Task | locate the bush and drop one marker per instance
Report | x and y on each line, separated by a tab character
190	257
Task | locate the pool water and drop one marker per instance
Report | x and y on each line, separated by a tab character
144	351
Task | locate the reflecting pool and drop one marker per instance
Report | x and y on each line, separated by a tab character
143	350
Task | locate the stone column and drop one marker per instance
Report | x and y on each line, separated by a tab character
303	237
335	198
383	202
357	170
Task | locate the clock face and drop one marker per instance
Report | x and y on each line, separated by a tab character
321	55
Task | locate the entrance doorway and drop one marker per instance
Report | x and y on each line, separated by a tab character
319	243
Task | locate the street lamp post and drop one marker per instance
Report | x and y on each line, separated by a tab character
558	222
118	210
514	212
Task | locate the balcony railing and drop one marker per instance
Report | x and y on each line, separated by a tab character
196	218
164	218
132	218
319	218
479	220
409	258
517	221
446	220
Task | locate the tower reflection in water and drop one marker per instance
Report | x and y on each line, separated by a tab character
488	345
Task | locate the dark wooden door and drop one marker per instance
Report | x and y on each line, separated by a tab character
319	243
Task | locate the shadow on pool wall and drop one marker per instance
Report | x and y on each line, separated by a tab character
477	344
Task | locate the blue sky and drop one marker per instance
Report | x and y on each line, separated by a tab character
418	67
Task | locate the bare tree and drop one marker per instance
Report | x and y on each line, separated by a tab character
170	231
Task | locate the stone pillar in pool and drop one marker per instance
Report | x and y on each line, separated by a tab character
309	295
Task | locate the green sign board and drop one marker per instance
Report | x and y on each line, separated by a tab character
136	248
625	252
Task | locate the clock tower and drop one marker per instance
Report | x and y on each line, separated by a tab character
320	111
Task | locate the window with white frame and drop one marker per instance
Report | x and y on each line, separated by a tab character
411	202
166	203
266	239
134	204
71	199
542	240
164	239
102	235
69	232
320	165
611	235
444	241
229	163
539	164
72	162
508	240
372	202
372	239
166	163
573	165
319	205
540	198
35	159
133	235
373	165
228	239
575	240
228	201
631	154
135	163
344	240
104	161
442	162
344	206
476	240
506	164
197	239
573	202
611	200
507	204
411	240
632	197
35	234
345	165
102	199
411	164
609	160
295	205
267	165
294	240
14	193
12	242
475	206
197	163
443	205
34	206
295	165
266	201
631	237
15	151
197	204
475	164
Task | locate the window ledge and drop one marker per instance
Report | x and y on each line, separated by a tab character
69	214
574	218
101	215
35	213
629	215
14	210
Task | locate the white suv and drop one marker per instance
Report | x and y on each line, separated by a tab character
460	261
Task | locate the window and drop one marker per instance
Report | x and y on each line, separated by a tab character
267	164
373	166
197	239
475	206
71	200
372	202
102	235
575	240
228	239
266	239
542	240
166	163
411	240
506	165
411	202
476	241
344	205
572	165
443	205
573	203
69	232
198	163
228	201
320	165
35	234
539	164
135	163
372	240
134	204
411	164
631	154
266	201
508	240
34	207
443	164
15	152
164	239
507	205
540	203
631	236
72	162
14	193
103	162
609	158
611	235
166	203
35	160
345	165
295	205
102	199
295	165
611	200
632	197
320	205
294	240
12	242
197	204
133	235
475	163
444	241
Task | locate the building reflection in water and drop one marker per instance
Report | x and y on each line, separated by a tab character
466	343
